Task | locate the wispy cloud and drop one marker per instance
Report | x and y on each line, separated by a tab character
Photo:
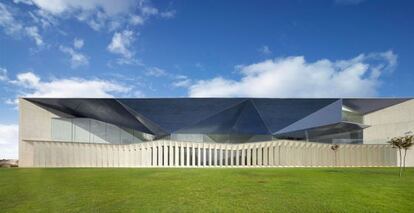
16	28
76	58
265	50
3	74
98	14
155	71
78	43
182	81
121	44
33	32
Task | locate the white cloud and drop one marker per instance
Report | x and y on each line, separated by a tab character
265	50
7	21
78	87
8	141
3	74
15	28
33	32
109	7
27	79
295	77
98	14
106	15
149	11
29	2
168	14
177	80
43	18
30	85
78	43
155	71
182	81
76	58
121	43
136	20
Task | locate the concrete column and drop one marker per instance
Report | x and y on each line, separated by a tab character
165	157
204	154
97	155
121	155
137	162
117	156
254	156
181	151
226	156
231	156
266	155
243	155
199	155
48	154
176	154
210	152
170	154
271	154
220	155
188	154
109	156
238	148
104	155
193	154
159	154
154	151
249	155
215	155
144	155
260	155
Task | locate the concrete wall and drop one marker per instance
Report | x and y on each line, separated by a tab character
186	154
34	124
389	122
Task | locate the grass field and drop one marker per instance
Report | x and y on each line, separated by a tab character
207	190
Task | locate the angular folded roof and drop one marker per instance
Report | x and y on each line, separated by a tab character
250	116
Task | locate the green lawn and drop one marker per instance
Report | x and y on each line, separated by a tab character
207	190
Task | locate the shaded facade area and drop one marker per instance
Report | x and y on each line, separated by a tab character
210	120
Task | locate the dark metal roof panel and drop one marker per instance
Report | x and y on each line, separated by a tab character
279	113
174	114
106	110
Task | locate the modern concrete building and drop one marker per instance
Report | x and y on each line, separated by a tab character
78	132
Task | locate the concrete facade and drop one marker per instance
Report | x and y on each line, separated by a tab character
34	124
164	153
93	143
391	122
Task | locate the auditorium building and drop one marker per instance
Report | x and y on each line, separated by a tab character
212	132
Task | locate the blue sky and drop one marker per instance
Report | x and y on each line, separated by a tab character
126	48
